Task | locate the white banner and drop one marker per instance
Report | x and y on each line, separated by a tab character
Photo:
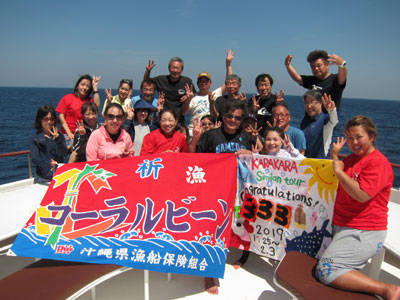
284	204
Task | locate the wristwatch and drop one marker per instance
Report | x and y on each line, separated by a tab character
343	65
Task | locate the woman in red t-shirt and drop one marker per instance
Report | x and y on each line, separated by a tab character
165	139
70	106
360	214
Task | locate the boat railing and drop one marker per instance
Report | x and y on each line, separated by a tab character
27	152
395	166
17	153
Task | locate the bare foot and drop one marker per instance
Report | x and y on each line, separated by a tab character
237	265
211	285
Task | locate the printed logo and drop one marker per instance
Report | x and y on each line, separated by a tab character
325	270
263	112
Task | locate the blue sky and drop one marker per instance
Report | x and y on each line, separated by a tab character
49	43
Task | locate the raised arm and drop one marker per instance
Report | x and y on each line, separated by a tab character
292	71
95	85
230	55
350	185
109	98
330	107
336	147
149	67
211	101
341	63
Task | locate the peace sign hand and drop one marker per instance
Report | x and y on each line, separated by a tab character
197	129
256	148
230	55
254	131
279	98
150	65
273	125
54	132
287	144
256	103
95	82
109	96
241	96
81	127
328	103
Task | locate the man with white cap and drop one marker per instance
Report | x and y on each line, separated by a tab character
202	104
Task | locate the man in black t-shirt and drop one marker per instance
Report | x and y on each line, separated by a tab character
232	84
174	86
322	80
229	138
262	104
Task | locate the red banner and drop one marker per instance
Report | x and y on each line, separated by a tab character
169	212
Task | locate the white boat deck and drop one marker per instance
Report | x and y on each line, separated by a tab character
253	281
18	202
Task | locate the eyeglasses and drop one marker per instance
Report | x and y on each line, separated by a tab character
313	103
112	117
230	116
281	116
208	124
141	110
47	119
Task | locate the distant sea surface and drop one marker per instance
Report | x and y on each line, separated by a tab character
18	108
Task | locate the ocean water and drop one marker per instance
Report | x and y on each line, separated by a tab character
19	106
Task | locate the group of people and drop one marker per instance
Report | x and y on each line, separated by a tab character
180	119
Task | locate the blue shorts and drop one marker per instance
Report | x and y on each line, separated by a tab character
350	249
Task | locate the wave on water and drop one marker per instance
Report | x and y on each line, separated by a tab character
155	254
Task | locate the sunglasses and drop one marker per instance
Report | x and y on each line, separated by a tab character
47	119
208	123
112	117
230	116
